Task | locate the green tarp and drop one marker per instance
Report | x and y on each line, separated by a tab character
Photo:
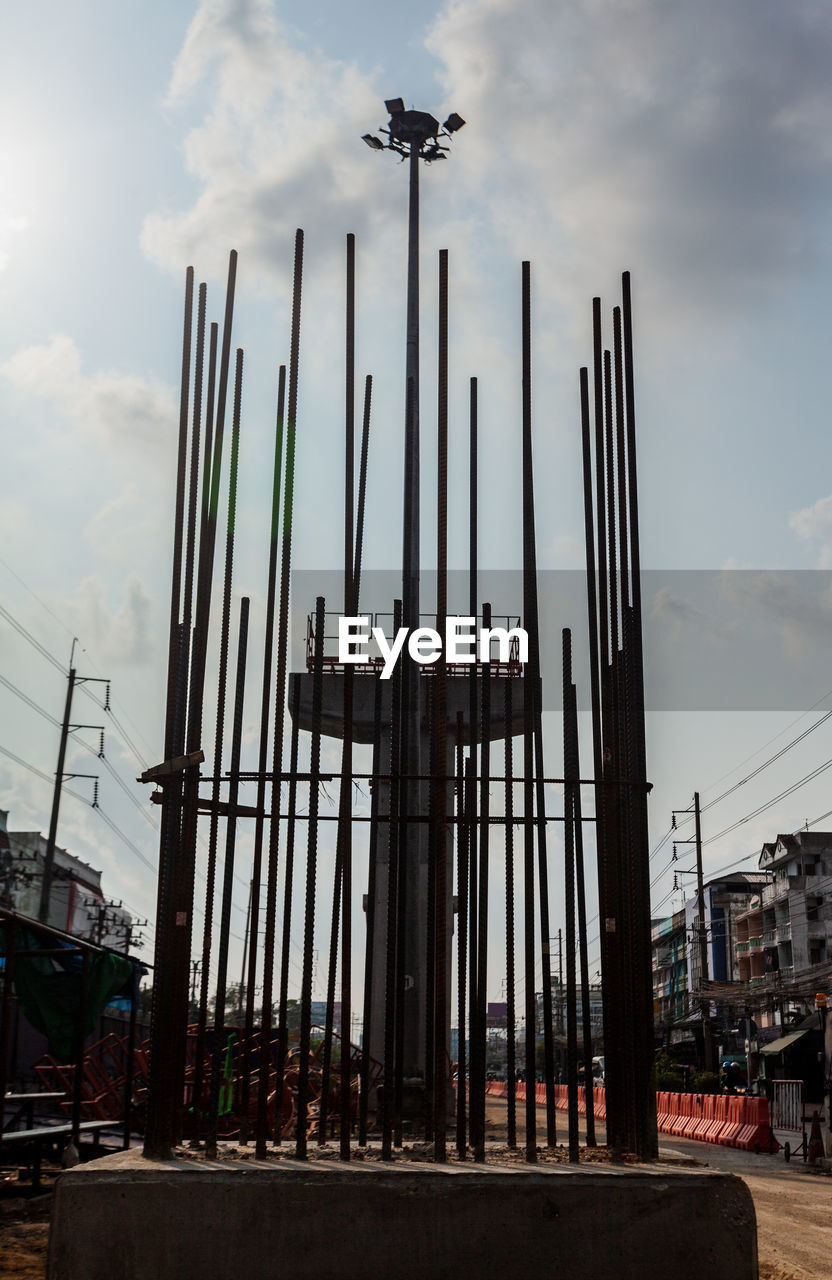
49	988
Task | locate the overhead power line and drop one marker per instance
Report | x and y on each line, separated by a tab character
795	786
766	763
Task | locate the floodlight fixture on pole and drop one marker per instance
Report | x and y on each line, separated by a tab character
414	135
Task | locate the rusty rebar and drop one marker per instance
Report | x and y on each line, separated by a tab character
388	1102
161	1133
280	692
462	847
569	896
478	1041
440	852
288	887
219	1046
311	881
262	761
580	894
530	613
511	1057
370	956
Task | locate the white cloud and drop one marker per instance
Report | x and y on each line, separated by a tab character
120	409
124	523
121	633
814	525
687	142
277	147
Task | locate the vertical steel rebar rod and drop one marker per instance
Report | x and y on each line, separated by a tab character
204	539
569	894
190	534
332	965
345	808
430	915
641	873
440	852
262	759
511	1057
280	697
311	880
606	807
620	737
362	485
161	1134
228	881
390	988
586	1007
187	859
205	572
478	1083
286	935
188	818
370	956
620	592
528	920
473	691
530	610
462	847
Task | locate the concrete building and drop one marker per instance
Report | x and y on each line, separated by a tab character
783	942
77	903
677	971
726	899
670	971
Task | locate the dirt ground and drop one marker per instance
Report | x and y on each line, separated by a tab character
24	1234
794	1223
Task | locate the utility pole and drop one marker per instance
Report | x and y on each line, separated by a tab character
703	941
60	775
702	932
49	861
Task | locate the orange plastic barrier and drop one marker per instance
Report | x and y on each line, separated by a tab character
719	1108
758	1129
730	1121
735	1122
705	1118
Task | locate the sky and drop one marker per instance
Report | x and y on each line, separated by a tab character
686	144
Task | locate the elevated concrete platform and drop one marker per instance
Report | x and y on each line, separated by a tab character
458	696
182	1219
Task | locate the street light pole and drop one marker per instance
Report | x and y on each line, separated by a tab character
414	136
410	541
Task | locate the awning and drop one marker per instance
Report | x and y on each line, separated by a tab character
777	1046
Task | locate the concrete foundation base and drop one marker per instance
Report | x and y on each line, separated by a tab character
133	1218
